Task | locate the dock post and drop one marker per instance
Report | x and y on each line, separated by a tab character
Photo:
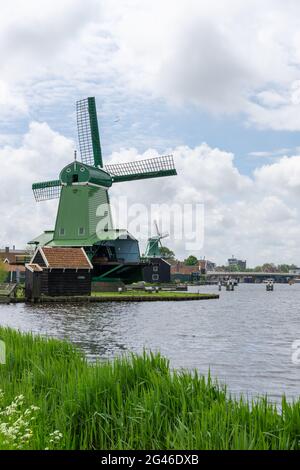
270	286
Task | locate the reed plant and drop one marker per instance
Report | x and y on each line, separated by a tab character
132	402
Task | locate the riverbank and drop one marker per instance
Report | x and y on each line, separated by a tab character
130	403
127	296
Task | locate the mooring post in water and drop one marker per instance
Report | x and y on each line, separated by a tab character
220	285
230	285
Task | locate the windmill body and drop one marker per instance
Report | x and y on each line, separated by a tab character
84	215
158	269
154	245
153	248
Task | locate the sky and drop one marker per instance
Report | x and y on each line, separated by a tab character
216	84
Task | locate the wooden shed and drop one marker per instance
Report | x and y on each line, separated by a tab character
58	272
157	270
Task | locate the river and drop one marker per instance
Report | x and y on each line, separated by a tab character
245	338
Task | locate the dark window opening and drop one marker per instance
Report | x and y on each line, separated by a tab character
105	253
75	179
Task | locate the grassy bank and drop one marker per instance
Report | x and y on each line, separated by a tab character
142	293
130	403
151	296
127	296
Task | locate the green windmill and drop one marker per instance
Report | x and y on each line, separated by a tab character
84	214
154	245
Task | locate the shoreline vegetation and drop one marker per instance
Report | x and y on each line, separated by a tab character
127	296
52	398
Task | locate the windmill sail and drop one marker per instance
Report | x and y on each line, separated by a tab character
46	190
141	169
159	234
88	132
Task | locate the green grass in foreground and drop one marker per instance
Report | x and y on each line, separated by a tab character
130	403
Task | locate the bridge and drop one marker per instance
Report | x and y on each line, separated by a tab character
250	276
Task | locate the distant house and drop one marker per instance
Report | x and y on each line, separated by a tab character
157	270
206	265
182	272
58	272
14	262
239	264
15	272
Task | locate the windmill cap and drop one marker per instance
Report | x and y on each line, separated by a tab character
79	173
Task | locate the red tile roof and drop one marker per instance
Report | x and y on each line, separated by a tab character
181	268
66	258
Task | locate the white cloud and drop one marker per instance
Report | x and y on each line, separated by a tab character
224	57
40	156
271	153
43	49
10	101
282	177
257	217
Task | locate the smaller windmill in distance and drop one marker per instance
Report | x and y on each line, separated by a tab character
154	245
158	269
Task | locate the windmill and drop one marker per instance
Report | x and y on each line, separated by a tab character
84	216
154	243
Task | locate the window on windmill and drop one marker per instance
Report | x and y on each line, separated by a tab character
75	178
81	231
155	268
62	231
155	277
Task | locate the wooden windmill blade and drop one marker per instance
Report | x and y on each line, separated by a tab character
156	228
142	169
161	235
46	190
88	132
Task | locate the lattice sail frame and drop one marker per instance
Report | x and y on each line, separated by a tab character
90	150
88	132
140	169
46	190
